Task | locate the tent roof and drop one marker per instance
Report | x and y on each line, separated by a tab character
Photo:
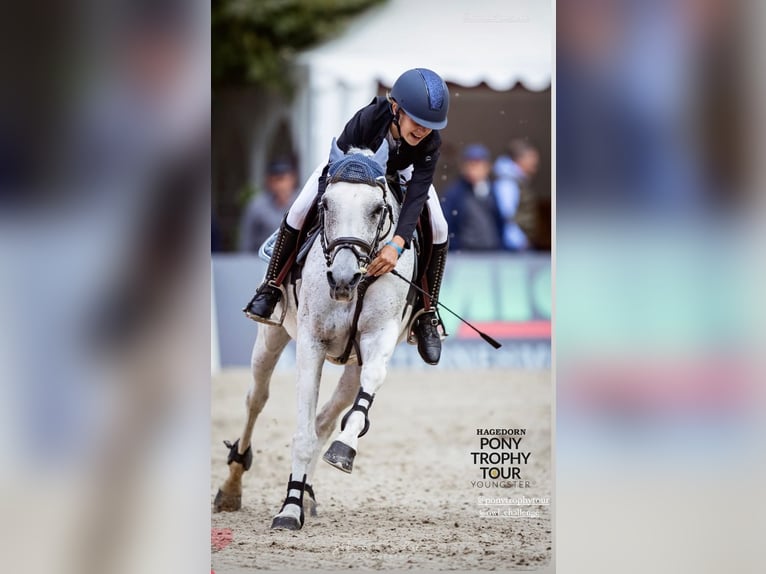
499	42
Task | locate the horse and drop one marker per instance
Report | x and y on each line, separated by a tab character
324	314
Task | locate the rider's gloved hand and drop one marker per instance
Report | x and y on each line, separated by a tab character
387	258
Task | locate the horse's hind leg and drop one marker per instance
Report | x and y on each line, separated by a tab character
377	349
268	347
342	397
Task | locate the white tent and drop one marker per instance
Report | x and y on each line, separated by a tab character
498	42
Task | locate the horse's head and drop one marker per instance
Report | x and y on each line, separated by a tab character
356	216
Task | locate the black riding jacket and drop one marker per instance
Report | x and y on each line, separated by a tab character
368	128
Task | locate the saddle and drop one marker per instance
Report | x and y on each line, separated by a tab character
422	240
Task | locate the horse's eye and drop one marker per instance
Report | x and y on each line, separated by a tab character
376	211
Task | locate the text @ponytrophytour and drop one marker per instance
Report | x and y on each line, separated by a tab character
501	460
510	507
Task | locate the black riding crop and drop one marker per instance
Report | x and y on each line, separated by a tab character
484	336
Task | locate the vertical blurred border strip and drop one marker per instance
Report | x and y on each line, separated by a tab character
755	93
104	280
658	287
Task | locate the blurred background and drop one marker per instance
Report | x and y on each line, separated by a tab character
105	275
658	319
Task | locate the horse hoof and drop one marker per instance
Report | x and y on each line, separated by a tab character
227	502
285	523
341	456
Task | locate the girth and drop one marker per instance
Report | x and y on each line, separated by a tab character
352	343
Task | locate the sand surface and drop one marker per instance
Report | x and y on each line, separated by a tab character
409	503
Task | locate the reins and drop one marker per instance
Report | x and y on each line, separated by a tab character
364	252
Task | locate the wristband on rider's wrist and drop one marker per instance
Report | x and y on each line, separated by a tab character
399	250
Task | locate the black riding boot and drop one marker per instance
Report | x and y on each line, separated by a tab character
261	306
426	326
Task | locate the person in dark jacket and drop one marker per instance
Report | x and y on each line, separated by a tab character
409	118
266	210
472	211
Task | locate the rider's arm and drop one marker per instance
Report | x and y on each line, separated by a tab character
417	194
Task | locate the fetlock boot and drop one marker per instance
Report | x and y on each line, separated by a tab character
261	306
427	325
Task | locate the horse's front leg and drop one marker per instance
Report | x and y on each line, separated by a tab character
342	397
377	348
310	356
268	347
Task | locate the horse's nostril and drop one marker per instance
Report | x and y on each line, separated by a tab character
331	279
355	279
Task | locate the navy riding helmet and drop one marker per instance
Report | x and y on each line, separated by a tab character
424	96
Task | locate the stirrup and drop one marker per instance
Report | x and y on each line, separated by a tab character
281	304
412	338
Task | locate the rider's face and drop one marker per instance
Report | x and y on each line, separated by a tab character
411	131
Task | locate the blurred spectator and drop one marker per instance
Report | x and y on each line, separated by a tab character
265	211
513	174
107	149
470	207
137	111
634	80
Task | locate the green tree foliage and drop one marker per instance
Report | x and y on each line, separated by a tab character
255	40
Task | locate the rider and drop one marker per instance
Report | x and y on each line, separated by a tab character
409	118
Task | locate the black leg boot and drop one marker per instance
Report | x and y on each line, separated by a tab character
261	306
426	326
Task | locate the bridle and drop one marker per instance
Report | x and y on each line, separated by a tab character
363	250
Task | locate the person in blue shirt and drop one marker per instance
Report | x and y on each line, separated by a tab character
409	119
513	173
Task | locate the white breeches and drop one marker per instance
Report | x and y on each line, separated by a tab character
296	217
438	222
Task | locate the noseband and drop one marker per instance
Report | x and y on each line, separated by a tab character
362	250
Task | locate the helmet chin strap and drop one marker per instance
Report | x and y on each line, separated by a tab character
398	140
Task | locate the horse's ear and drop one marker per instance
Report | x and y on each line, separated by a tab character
381	156
335	152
